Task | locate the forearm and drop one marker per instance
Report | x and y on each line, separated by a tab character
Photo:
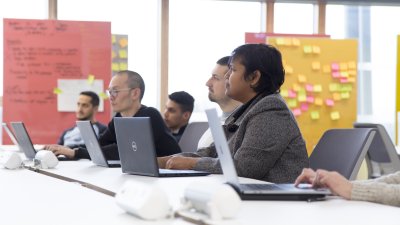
208	164
388	194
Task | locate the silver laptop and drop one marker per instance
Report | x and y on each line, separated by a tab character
23	139
255	191
10	134
137	151
191	136
93	147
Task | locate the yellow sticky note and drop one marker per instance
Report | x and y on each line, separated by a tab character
336	96
326	69
123	66
351	79
301	97
317	88
335	115
314	115
288	41
113	54
352	65
345	95
284	93
344	74
90	79
301	78
318	101
343	66
123	42
307	49
295	42
123	54
115	67
279	41
103	95
288	69
113	39
352	72
333	87
296	87
292	103
316	49
316	65
57	91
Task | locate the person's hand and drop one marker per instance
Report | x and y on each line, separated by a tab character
162	161
338	184
181	163
61	150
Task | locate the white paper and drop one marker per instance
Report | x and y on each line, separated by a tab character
70	89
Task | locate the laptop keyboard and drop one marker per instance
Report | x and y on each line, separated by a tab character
259	187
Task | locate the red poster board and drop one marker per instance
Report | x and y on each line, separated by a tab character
39	52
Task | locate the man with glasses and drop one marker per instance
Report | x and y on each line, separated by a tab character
126	91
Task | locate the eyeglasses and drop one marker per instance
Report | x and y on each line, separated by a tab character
113	92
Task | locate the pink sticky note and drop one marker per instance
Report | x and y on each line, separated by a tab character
344	80
335	67
335	74
292	94
296	112
310	99
304	107
309	87
329	102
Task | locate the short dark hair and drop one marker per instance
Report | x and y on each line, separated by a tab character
224	61
134	81
184	99
266	59
95	98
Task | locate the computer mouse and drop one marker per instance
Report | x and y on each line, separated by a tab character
47	159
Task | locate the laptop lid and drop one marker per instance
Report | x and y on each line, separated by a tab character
254	191
191	136
23	139
10	134
137	150
92	145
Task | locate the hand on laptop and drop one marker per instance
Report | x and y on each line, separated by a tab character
180	162
61	150
338	184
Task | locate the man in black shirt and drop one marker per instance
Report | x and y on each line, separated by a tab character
126	91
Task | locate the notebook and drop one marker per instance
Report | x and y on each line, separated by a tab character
93	147
137	151
255	191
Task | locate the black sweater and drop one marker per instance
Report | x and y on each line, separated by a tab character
164	142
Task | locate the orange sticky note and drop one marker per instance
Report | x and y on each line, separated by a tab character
301	78
123	42
343	66
352	65
352	73
318	101
295	42
316	65
351	79
288	69
335	115
316	49
288	41
314	115
296	87
113	55
337	96
326	69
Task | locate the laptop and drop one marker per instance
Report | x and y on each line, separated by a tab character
10	134
93	147
191	136
255	191
137	151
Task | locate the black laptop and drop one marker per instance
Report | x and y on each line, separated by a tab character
137	151
93	147
263	191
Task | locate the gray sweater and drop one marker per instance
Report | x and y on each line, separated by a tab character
267	144
385	190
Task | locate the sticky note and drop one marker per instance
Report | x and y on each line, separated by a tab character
310	99
115	67
344	74
123	66
333	87
317	88
309	87
352	73
123	42
296	112
345	95
335	115
326	69
314	115
316	49
336	96
113	54
343	80
307	49
296	87
343	66
295	42
318	101
279	41
292	103
334	67
57	91
284	93
335	74
345	87
302	91
316	65
123	54
352	65
113	39
103	95
329	102
351	79
301	78
288	69
292	94
287	41
90	79
304	107
301	97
